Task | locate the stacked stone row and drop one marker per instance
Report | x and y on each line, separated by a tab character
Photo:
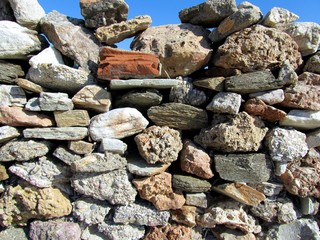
194	134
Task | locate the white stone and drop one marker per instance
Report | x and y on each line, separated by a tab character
117	123
313	139
48	55
143	83
269	97
225	102
63	133
302	119
280	168
113	145
12	96
55	102
279	16
7	133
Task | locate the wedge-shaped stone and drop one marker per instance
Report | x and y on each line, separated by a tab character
214	83
72	118
138	166
48	55
64	133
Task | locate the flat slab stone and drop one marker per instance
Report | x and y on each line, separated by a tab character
63	133
302	119
138	166
190	184
269	97
29	86
312	65
143	83
81	147
65	155
72	118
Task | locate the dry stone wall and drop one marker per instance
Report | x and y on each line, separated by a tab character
193	134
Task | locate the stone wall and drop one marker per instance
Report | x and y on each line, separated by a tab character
194	134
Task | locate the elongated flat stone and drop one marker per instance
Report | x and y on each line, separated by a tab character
143	83
72	118
29	86
64	133
302	119
139	167
190	184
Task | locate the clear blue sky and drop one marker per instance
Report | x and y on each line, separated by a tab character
166	11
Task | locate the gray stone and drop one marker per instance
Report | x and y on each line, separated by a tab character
278	17
55	102
13	233
7	133
12	96
313	139
141	214
49	55
214	83
309	206
267	188
64	133
143	83
208	14
33	105
59	77
6	12
179	116
81	46
302	119
313	64
246	15
99	163
65	155
92	233
138	166
225	102
23	150
117	123
269	97
287	74
17	41
90	211
120	231
9	72
190	184
248	168
112	186
197	199
113	146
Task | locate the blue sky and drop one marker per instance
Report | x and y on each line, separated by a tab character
166	12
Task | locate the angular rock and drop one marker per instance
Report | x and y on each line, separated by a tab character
71	118
241	193
81	46
63	133
267	188
29	86
269	97
117	32
20	204
190	184
49	55
214	83
158	190
93	98
12	96
225	233
239	133
248	168
99	163
33	105
170	231
116	63
55	102
257	48
17	41
143	83
6	12
225	102
179	116
80	147
306	35
103	12
3	173
9	72
23	150
59	77
197	199
113	146
195	160
117	123
287	74
313	139
119	231
182	48
112	186
313	64
17	117
246	15
8	133
305	94
55	230
302	119
185	215
209	13
278	17
256	107
65	155
159	144
309	206
13	233
90	211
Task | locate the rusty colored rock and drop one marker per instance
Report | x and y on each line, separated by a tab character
169	232
115	63
185	215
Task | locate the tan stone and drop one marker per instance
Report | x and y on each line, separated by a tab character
29	86
18	117
115	63
214	83
185	215
169	232
3	173
158	190
72	118
257	107
80	147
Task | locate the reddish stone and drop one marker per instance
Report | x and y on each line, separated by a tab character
115	63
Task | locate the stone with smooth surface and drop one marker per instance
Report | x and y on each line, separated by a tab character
143	83
12	96
269	97
63	133
49	55
225	102
278	17
313	64
190	184
9	72
302	119
138	166
7	133
113	145
72	118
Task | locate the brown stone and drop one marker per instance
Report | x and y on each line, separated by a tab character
18	117
185	215
80	147
169	232
214	83
257	107
158	190
3	173
115	63
72	118
29	86
305	94
195	160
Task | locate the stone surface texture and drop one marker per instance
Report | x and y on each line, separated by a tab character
12	96
302	119
225	102
179	232
278	17
9	72
8	133
313	64
63	133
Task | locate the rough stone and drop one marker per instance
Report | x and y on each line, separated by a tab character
197	199
99	163
17	41
158	190
216	72
225	102
119	231
190	184
313	64
214	83
306	35
138	166
117	32
182	48
159	144
140	214
287	74
302	119
268	188
80	147
248	168
92	233
117	123
195	160
9	72
81	46
55	102
239	133
179	116
113	145
185	215
309	206
3	173
55	230
93	98
256	107
59	77
71	118
209	13
103	12
12	96
65	155
169	232
13	233
63	133
278	17
113	186
49	55
19	204
8	133
269	97
313	139
224	233
257	48
246	15
6	12
143	83
29	86
23	150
